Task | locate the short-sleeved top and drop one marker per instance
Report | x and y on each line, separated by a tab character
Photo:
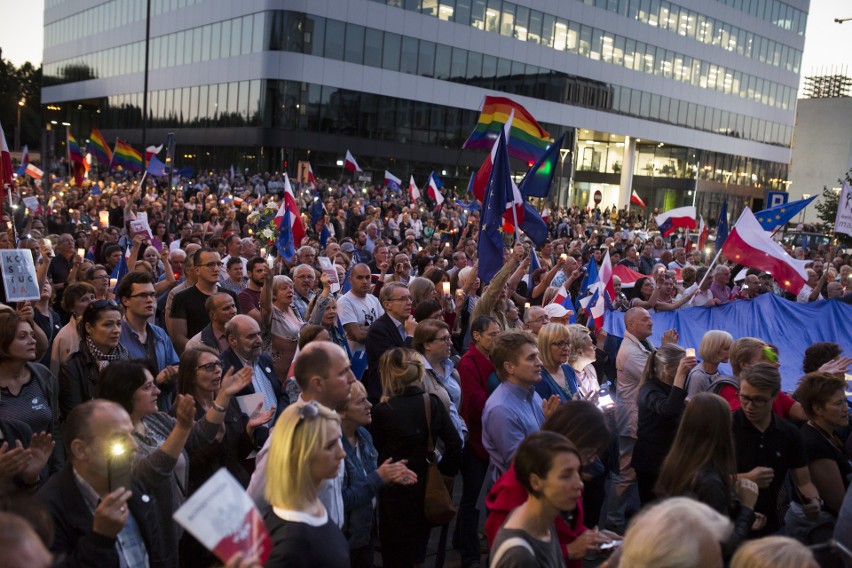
189	305
362	311
249	300
31	405
817	447
780	447
543	555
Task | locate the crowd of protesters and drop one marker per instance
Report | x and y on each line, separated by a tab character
566	445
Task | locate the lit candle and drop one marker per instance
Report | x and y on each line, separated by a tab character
446	287
527	306
262	251
113	282
563	256
103	217
81	252
270	260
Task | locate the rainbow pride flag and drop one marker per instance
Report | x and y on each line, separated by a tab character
74	153
528	140
99	148
125	156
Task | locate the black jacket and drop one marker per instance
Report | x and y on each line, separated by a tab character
660	409
709	488
78	378
72	522
381	336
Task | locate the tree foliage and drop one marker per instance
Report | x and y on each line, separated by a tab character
18	83
827	211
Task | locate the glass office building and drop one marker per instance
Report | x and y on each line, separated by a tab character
684	101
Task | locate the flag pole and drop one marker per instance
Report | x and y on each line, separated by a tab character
709	268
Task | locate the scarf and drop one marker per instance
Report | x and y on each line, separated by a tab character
104	359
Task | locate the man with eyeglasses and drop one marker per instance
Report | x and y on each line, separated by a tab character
535	318
768	447
395	328
189	316
144	340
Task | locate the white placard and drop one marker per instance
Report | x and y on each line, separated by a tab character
223	518
328	269
19	275
248	403
31	202
843	222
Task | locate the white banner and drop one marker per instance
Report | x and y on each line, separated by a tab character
843	223
19	275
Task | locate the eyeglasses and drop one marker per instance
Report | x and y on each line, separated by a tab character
210	367
403	299
144	295
212	265
544	318
444	339
753	400
561	344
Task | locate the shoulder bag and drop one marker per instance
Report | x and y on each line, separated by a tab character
438	507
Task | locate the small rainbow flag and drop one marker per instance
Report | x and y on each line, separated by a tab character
74	153
125	156
99	148
528	140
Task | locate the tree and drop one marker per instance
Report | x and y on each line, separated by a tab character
827	211
18	83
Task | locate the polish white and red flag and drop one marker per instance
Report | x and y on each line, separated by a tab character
433	191
34	172
155	151
392	179
413	189
311	179
350	164
291	231
750	245
636	200
703	233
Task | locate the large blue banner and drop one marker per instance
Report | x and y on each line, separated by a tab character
789	325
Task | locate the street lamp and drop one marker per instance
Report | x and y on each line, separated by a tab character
21	104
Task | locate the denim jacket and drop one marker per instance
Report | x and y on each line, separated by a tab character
361	485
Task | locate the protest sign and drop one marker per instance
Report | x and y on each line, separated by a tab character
31	203
843	223
19	275
329	270
223	518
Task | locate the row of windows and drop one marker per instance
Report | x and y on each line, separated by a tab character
782	15
525	24
230	38
103	17
332	39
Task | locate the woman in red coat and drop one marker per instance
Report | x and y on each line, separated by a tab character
585	425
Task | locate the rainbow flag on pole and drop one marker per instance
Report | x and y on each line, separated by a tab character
527	141
74	153
99	148
125	156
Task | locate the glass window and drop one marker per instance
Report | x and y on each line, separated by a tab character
534	34
492	15
390	59
462	13
560	34
507	23
585	40
443	54
254	101
245	47
317	36
426	59
354	52
236	38
474	65
477	14
172	50
547	28
458	65
334	33
372	47
408	62
258	37
522	17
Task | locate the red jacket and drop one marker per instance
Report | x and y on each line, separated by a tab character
474	369
507	494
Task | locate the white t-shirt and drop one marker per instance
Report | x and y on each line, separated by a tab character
805	293
362	311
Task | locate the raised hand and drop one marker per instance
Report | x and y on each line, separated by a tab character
669	336
111	514
14	461
185	411
234	382
259	417
40	450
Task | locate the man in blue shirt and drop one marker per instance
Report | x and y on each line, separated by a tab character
514	410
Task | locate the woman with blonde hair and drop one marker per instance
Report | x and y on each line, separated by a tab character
400	429
305	451
774	552
557	376
281	320
581	358
715	348
421	289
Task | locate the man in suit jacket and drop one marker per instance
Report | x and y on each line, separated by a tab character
394	329
245	344
92	524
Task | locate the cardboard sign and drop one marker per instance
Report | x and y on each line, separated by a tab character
138	227
31	203
223	518
19	275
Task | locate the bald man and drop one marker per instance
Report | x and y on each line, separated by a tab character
535	318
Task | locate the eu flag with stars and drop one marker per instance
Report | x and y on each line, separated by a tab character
537	181
497	196
780	215
722	227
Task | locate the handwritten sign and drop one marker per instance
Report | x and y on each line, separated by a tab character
843	223
329	270
19	275
224	519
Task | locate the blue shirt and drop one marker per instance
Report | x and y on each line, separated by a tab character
511	413
450	382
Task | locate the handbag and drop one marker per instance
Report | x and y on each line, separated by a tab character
438	507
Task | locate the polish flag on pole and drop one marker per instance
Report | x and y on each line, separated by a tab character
703	234
350	190
636	200
289	223
480	181
34	172
311	179
412	188
433	192
682	217
750	245
350	164
153	151
389	177
560	296
605	276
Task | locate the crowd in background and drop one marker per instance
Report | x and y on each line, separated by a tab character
391	363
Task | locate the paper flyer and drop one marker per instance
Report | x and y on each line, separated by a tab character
329	270
222	516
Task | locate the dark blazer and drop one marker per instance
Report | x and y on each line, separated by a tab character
208	339
78	378
230	360
72	522
381	336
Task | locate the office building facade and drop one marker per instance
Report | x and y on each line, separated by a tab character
683	101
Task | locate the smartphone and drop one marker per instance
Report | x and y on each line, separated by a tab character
610	544
690	352
605	401
119	466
